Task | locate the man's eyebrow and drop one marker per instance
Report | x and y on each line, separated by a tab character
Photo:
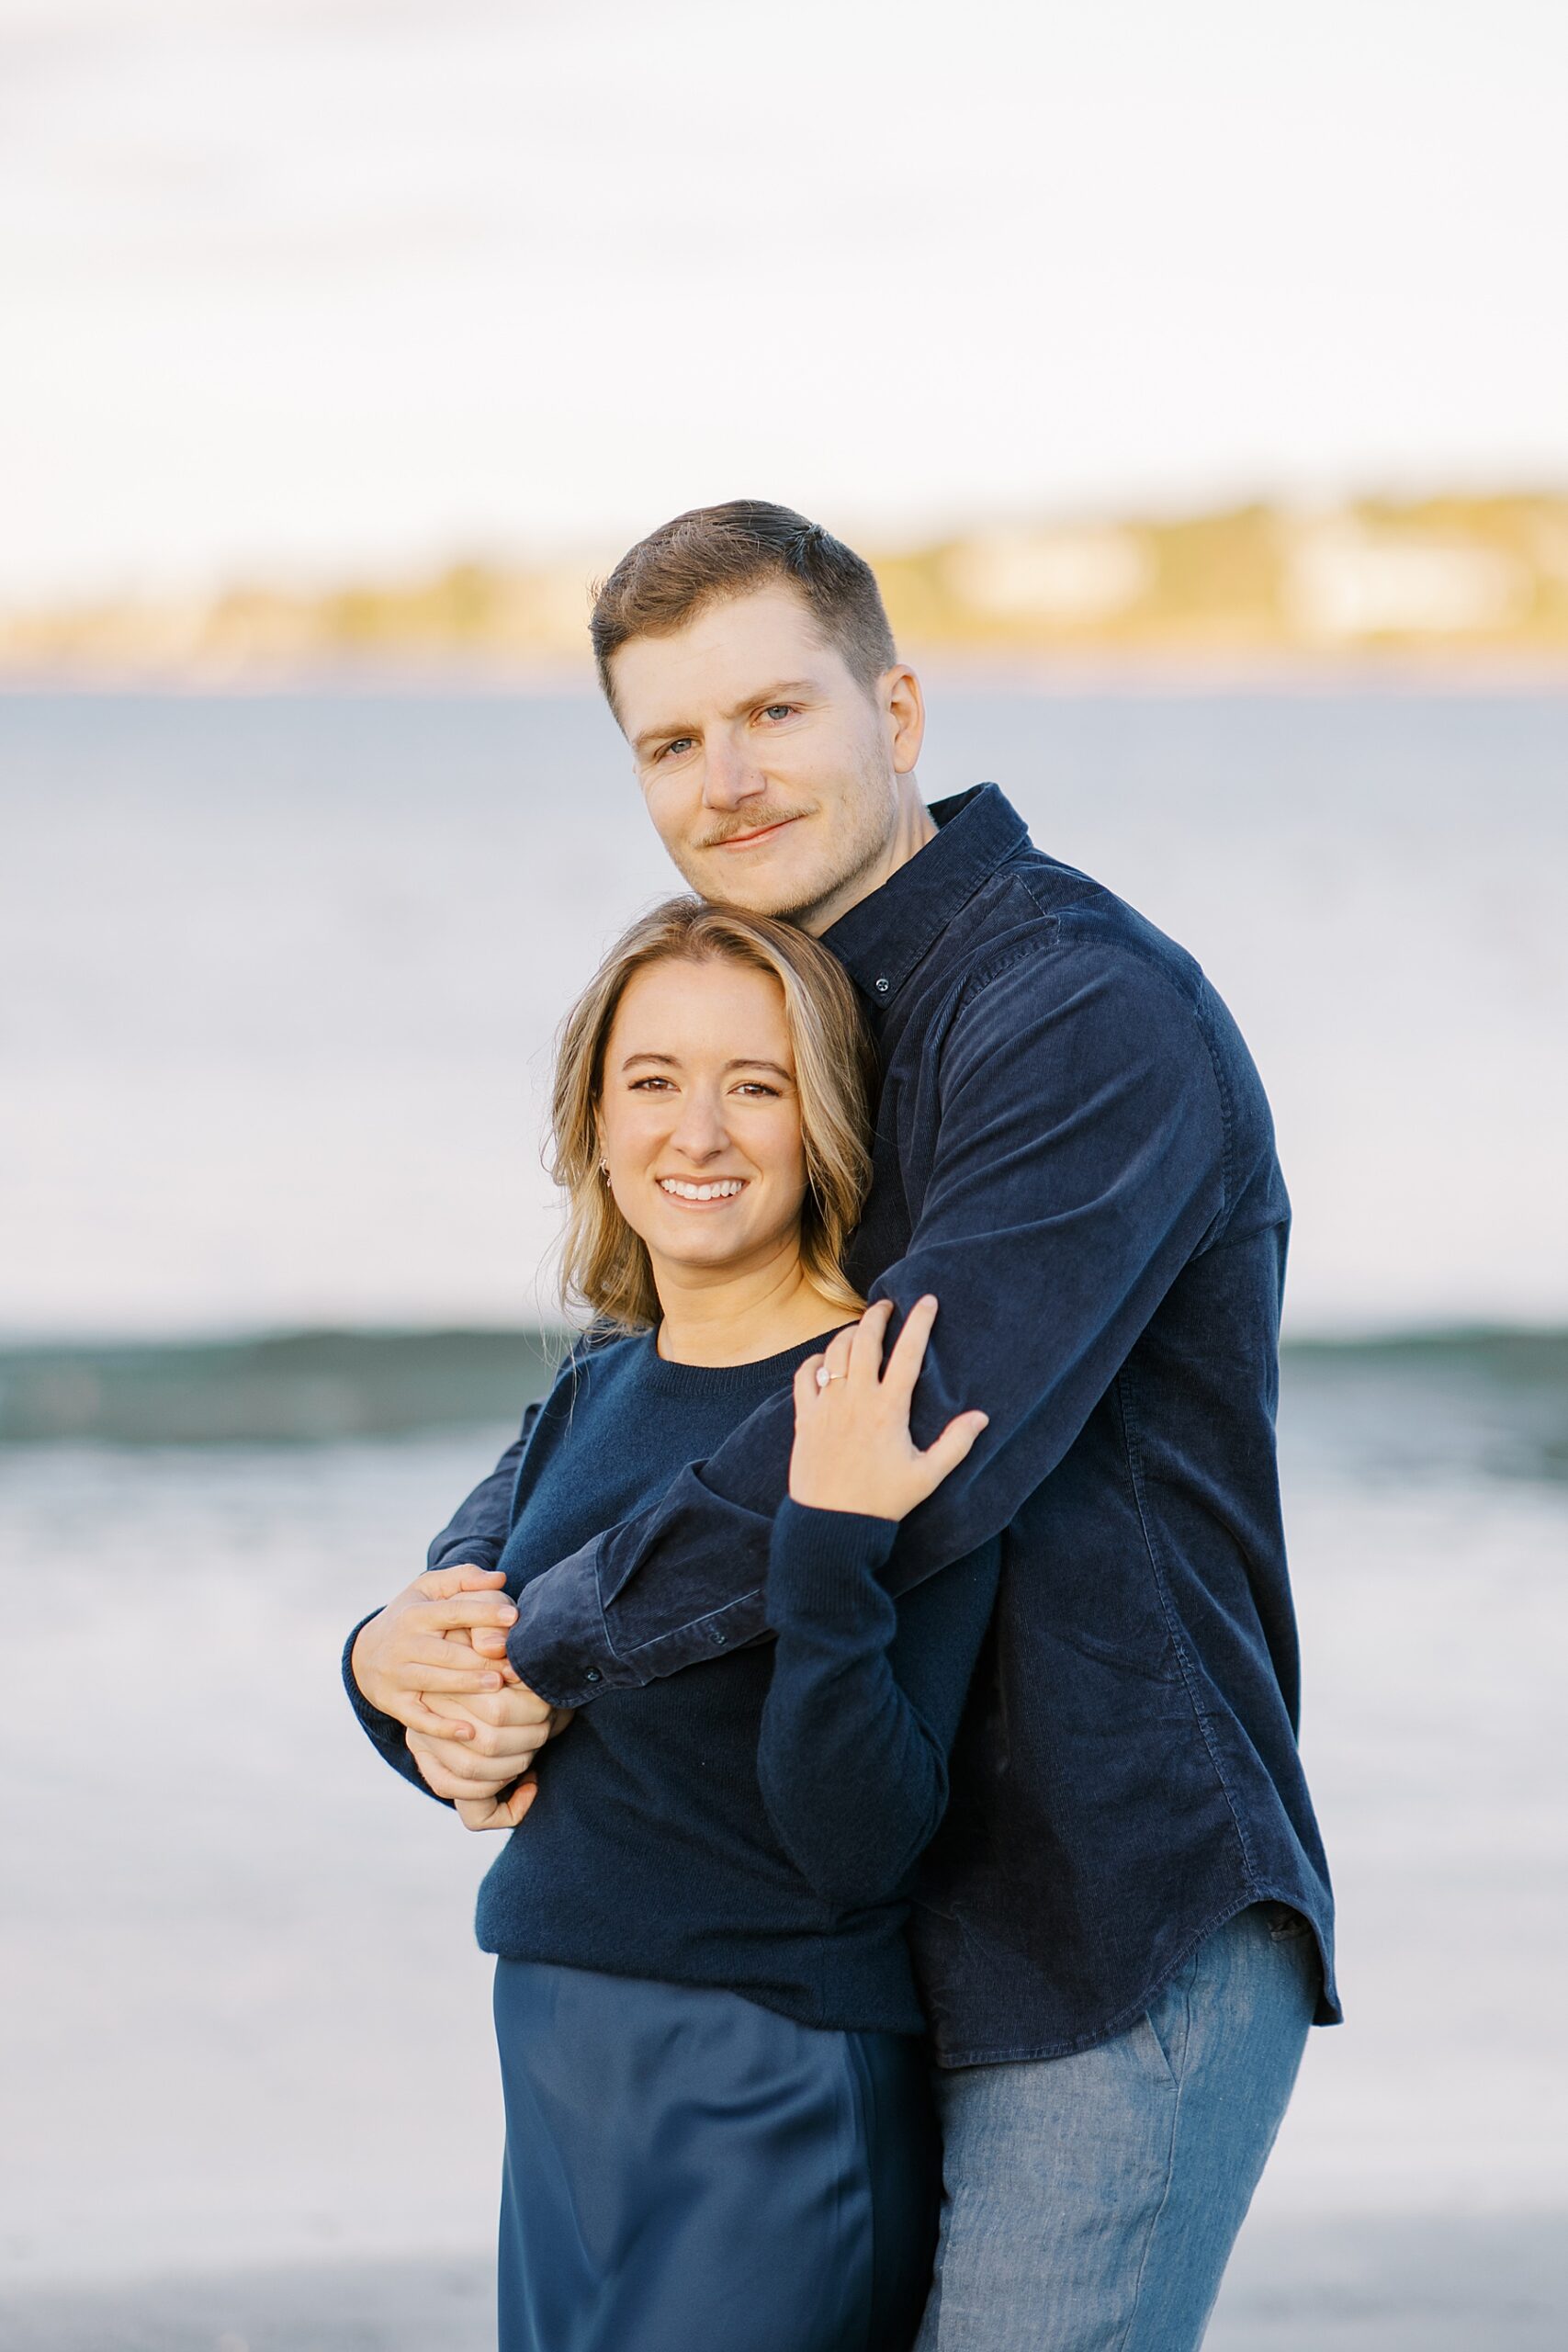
777	692
774	693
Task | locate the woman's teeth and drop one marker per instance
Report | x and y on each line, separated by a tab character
724	1190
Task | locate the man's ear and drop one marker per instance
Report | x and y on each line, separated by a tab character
905	712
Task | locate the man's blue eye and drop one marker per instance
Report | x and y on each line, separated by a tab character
779	709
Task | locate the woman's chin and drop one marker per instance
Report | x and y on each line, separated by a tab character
712	1253
721	1245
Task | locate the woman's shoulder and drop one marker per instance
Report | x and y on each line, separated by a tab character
598	1358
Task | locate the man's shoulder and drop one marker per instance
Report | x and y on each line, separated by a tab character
1046	924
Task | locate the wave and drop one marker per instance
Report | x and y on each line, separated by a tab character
299	1388
1495	1398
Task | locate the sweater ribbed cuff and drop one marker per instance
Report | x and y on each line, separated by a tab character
385	1730
823	1564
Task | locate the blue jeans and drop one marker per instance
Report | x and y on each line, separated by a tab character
1090	2202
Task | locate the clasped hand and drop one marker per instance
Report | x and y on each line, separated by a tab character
435	1660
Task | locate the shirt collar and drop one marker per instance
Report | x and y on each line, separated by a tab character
880	940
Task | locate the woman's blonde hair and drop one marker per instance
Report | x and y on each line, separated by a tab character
604	1265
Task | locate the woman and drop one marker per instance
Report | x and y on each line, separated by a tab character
717	2129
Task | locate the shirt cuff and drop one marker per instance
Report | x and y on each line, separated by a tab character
822	1564
464	1552
560	1644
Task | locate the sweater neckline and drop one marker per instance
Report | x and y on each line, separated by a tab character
762	1374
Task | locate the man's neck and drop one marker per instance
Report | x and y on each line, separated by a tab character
913	826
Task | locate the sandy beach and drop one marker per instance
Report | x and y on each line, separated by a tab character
1456	2283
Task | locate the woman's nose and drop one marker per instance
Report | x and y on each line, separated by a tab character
700	1131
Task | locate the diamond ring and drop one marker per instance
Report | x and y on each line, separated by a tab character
824	1375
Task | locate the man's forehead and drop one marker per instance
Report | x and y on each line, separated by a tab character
725	657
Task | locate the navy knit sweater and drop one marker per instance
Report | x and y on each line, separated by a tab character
754	1822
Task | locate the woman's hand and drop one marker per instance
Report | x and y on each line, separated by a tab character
498	1812
405	1652
853	1448
501	1733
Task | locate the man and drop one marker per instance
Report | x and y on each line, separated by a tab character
1125	1925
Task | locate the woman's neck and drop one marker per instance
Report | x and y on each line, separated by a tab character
742	1318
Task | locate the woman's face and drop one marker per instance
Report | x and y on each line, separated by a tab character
699	1117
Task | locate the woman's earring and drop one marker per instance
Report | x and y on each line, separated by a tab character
603	1168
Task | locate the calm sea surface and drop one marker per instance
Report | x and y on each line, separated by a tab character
279	976
276	983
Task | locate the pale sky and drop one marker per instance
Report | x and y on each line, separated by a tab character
292	287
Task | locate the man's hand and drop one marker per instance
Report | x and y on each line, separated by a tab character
402	1659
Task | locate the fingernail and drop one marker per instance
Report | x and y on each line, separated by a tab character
490	1682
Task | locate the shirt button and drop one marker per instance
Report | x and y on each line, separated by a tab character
591	1674
717	1636
882	987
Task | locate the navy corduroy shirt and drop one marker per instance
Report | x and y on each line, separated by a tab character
757	1827
1074	1153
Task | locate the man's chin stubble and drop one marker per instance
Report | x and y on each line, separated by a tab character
806	901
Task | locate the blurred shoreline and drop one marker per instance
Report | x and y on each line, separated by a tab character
1436	671
1259	589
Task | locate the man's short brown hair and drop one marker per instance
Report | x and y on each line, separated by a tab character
716	552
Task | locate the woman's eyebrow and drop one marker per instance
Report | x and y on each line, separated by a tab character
744	1061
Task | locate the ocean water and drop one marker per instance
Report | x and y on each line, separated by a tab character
246	2029
279	976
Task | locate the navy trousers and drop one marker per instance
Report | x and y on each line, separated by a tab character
687	2168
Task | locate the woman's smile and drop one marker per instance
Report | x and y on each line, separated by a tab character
707	1191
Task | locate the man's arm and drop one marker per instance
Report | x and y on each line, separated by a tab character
1080	1163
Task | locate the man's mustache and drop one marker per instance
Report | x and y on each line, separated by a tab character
755	823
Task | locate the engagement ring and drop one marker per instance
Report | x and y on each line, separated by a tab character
824	1375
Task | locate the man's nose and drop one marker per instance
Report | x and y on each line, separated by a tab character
729	775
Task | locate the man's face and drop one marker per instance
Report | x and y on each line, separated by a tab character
773	777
